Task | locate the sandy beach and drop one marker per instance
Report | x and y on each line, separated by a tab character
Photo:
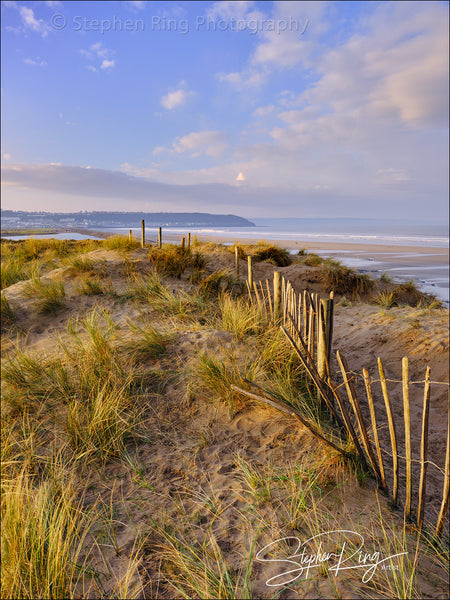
427	265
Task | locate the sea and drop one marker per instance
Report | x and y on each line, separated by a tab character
429	270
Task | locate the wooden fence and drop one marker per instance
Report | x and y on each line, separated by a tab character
307	321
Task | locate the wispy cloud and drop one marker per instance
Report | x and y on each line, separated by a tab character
196	143
38	62
28	18
98	51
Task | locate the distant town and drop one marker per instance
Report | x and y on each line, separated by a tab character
11	219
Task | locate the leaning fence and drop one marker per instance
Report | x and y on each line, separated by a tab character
307	321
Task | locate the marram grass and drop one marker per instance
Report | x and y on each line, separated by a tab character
43	531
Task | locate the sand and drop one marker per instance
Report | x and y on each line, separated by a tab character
189	458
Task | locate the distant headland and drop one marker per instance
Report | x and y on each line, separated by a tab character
12	219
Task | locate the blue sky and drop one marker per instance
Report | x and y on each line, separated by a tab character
255	108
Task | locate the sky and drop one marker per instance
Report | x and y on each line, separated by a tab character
268	109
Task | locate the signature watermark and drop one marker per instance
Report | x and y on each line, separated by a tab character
60	22
334	549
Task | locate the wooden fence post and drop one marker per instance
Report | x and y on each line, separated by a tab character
183	241
189	241
236	260
354	402
250	272
391	430
424	449
407	420
142	233
130	235
311	328
328	313
324	336
159	237
305	316
276	296
374	427
445	494
321	344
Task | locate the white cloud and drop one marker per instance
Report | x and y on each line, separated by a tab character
30	21
397	71
176	98
98	51
7	156
210	143
245	79
35	62
284	37
107	64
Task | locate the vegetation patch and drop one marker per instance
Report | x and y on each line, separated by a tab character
47	296
343	280
173	260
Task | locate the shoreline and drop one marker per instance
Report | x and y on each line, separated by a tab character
330	246
427	265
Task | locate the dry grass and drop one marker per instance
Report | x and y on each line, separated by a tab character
48	296
386	299
344	280
173	260
44	527
121	242
91	286
89	431
22	260
99	426
213	378
239	316
8	316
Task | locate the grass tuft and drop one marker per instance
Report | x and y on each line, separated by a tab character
147	342
120	242
8	316
239	316
100	425
216	377
199	569
386	299
273	254
343	280
218	282
43	530
173	260
47	296
90	287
